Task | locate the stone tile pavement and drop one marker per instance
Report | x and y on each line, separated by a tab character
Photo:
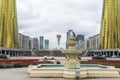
21	74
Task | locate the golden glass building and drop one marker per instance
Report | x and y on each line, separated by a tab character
8	24
110	28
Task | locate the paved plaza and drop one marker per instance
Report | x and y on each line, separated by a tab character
21	74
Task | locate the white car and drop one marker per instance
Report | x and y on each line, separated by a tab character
114	56
49	57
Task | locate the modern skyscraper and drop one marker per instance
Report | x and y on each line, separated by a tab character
46	44
110	28
41	42
79	38
8	24
68	36
35	44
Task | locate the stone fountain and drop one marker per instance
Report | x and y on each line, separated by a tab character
72	62
72	67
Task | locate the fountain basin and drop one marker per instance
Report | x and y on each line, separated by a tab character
85	71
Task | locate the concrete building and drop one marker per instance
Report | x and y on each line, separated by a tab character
93	42
15	52
24	41
41	42
90	43
84	45
31	45
106	53
46	44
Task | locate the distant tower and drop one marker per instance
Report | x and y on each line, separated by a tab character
8	24
35	44
46	44
79	38
41	42
68	36
58	38
110	28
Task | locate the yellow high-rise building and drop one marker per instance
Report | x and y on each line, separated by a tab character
110	28
8	24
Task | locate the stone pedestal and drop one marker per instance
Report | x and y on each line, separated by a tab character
71	61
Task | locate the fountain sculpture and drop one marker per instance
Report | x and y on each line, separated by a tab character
72	67
72	61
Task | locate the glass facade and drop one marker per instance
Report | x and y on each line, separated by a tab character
80	37
41	42
46	44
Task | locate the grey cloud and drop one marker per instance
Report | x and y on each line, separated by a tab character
43	17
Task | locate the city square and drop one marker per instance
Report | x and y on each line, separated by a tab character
21	74
60	53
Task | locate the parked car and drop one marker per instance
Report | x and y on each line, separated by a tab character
99	58
114	56
2	56
49	57
57	62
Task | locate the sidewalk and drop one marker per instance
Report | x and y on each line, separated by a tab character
21	74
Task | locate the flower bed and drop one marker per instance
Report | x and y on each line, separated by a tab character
115	63
8	63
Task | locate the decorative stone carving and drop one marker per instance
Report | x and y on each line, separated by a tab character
71	53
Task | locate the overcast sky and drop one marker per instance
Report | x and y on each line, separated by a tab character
51	17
